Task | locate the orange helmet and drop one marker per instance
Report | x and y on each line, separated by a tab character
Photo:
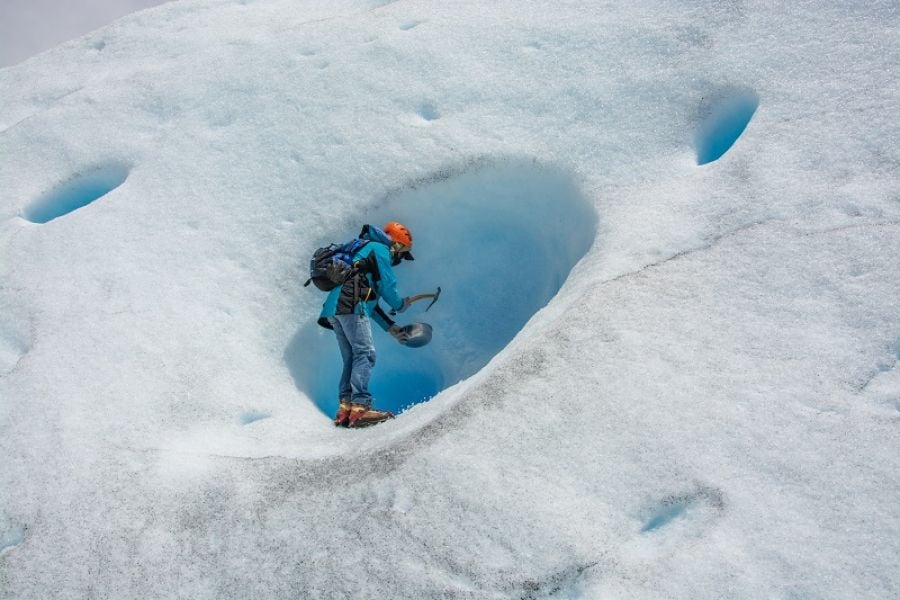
399	233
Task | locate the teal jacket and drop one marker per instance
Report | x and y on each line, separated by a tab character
380	282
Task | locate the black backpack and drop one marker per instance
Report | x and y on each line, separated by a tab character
333	265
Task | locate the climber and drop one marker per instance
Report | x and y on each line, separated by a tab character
349	308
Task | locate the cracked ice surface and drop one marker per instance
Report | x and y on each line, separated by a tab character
701	400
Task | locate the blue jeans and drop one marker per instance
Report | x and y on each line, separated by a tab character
354	336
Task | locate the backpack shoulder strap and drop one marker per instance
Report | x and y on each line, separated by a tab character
355	246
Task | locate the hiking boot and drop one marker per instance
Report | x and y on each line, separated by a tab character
342	418
362	415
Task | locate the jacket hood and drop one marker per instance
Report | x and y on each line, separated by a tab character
374	234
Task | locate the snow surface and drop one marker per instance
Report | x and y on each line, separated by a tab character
683	383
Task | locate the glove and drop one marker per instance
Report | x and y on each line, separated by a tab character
399	334
403	306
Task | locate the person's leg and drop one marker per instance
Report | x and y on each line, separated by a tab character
358	332
345	391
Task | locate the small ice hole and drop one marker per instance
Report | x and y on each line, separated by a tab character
728	116
12	537
252	416
664	515
77	192
429	112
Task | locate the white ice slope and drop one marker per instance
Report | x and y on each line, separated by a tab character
707	408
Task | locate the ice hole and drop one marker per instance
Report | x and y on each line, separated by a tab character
500	240
664	514
77	192
14	343
252	416
674	506
429	112
725	116
12	537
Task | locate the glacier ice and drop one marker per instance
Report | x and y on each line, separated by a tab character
724	346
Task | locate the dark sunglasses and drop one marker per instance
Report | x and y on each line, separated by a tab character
399	253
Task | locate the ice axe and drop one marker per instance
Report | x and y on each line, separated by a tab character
418	297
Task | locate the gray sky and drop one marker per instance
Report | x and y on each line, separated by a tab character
28	27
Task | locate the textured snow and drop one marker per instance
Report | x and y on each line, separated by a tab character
688	387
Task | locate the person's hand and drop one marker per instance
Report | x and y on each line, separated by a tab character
406	304
399	334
